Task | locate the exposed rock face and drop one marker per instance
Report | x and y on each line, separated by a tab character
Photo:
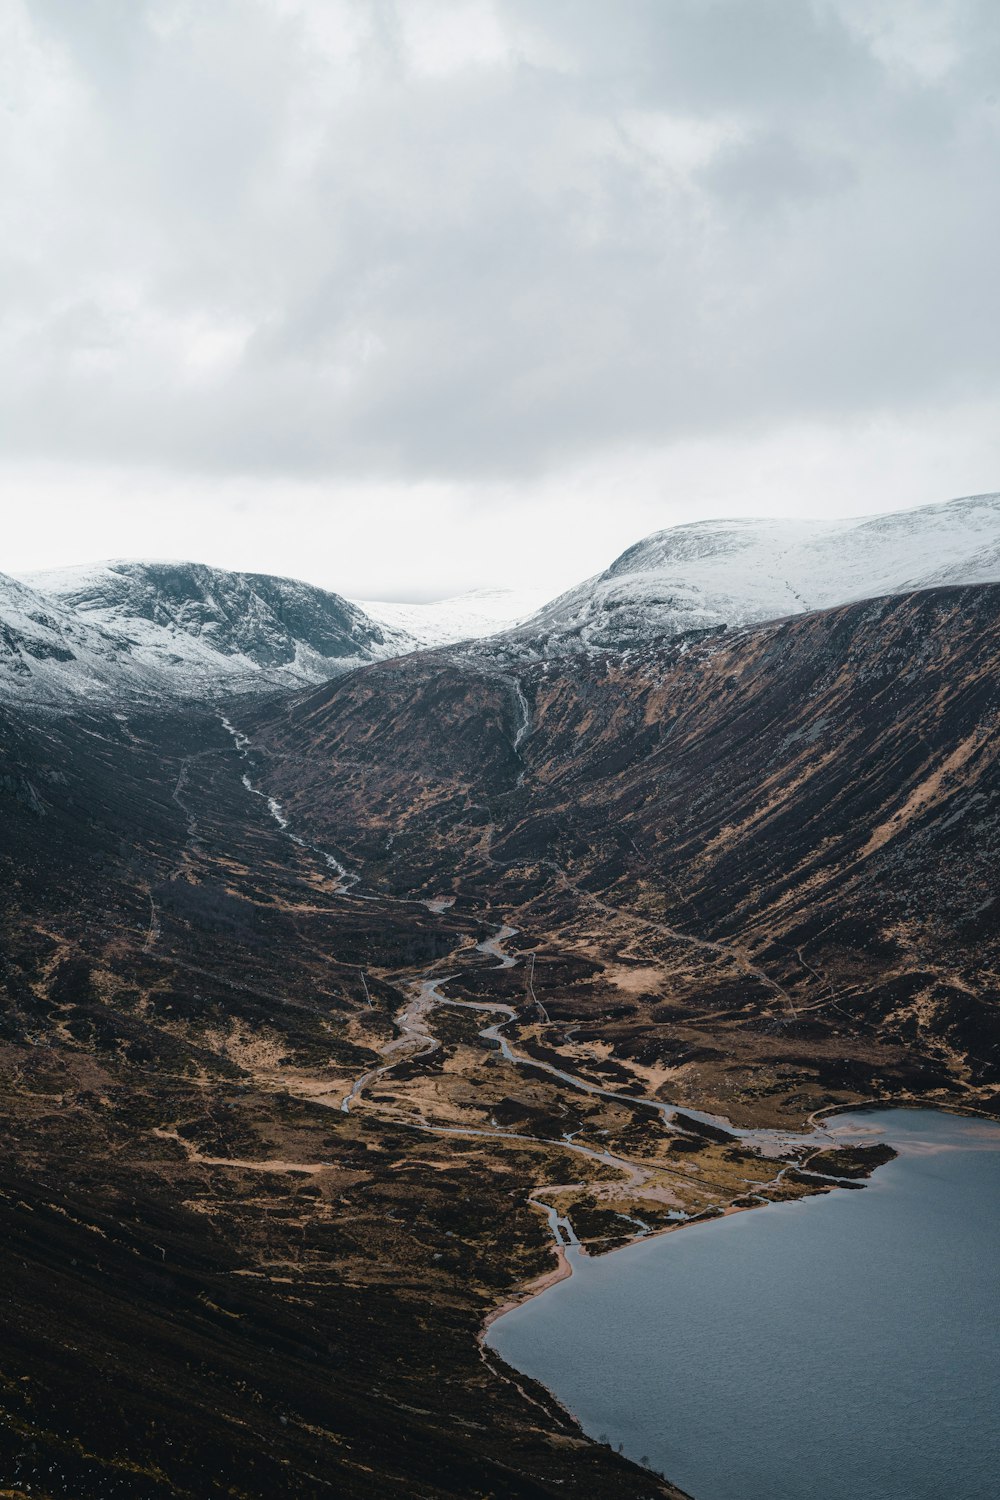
817	797
268	620
157	631
160	631
735	572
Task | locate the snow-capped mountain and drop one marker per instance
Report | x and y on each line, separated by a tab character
736	572
157	631
176	629
47	652
471	616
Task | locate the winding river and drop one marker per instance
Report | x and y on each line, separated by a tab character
844	1347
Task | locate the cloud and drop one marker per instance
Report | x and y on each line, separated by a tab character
480	244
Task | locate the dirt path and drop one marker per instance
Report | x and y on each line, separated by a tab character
707	945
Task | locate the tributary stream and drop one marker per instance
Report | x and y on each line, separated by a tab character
843	1347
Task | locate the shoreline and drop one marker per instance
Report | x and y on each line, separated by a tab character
563	1268
965	1111
561	1271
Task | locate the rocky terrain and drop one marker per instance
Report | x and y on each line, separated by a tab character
259	1292
327	1015
156	632
791	830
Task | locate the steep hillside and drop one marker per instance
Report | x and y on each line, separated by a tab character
49	653
176	630
158	631
735	572
258	1292
797	824
311	1024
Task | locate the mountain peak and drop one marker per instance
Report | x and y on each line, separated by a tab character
182	628
742	570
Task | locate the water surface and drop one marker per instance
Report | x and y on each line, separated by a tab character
845	1347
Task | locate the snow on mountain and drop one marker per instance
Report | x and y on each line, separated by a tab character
165	630
48	653
176	629
480	613
736	572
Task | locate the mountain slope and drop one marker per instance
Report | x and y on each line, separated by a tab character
795	825
263	1295
734	572
278	1140
155	630
49	653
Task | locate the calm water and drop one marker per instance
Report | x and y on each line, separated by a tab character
840	1348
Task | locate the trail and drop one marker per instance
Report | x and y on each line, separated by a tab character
735	955
637	1175
194	840
181	783
243	1163
415	1039
153	930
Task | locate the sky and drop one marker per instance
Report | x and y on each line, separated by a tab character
406	297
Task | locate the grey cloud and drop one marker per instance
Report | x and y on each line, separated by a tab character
259	245
765	56
766	172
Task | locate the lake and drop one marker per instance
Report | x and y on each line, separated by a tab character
844	1347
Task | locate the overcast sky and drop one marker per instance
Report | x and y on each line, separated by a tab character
405	298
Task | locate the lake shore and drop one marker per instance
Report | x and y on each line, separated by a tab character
680	1409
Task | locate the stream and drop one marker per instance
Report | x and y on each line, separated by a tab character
808	1350
416	1040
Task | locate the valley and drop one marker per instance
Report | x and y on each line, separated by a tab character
333	1017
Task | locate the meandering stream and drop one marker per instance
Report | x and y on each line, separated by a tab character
829	1348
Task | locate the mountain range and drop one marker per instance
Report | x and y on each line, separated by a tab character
349	970
156	631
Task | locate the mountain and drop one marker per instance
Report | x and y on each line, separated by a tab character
50	653
157	630
732	572
617	925
794	826
480	613
153	630
262	1293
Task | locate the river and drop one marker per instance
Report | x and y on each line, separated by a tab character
844	1347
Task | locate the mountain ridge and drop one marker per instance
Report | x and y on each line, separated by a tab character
741	571
156	631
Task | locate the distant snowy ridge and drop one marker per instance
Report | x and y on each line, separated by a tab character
155	630
159	631
471	616
737	572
